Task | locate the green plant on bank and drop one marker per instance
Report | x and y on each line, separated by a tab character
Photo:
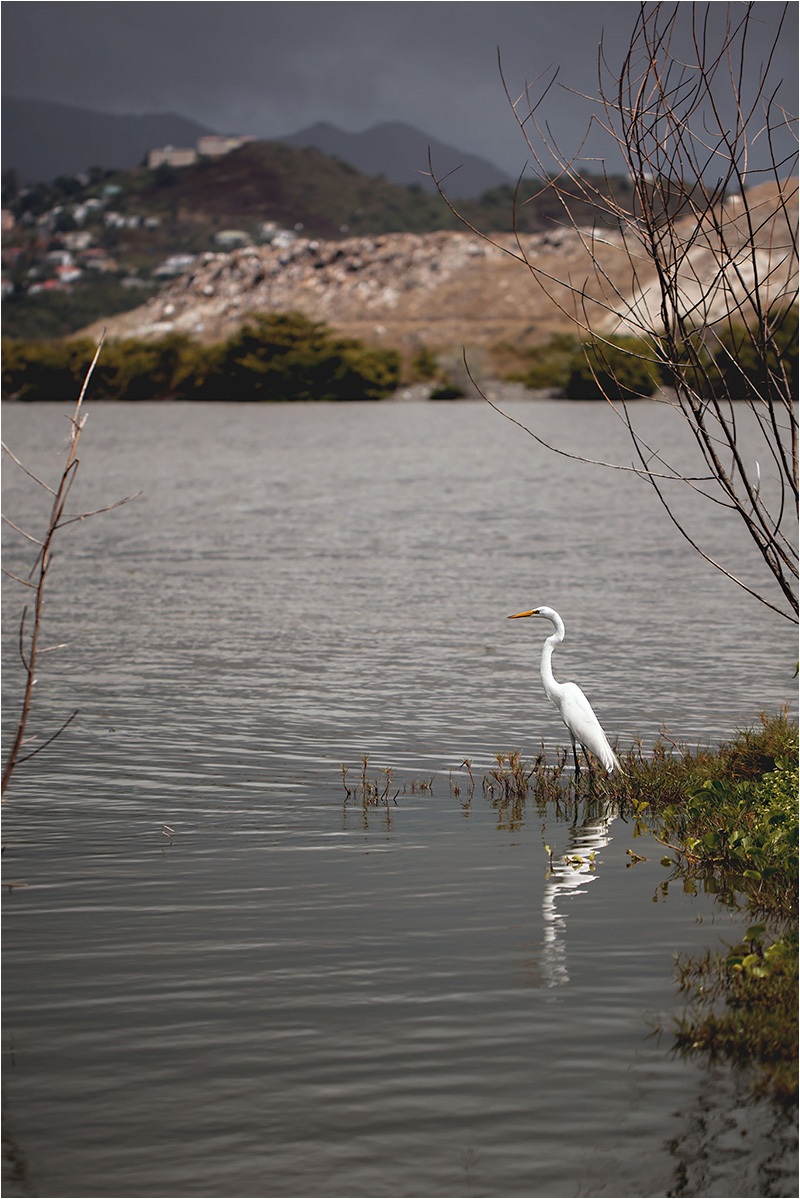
547	365
733	363
424	365
743	1007
448	391
730	822
731	817
279	356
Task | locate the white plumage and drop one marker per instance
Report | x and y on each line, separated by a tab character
576	711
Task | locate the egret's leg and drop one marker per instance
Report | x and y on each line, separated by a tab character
576	760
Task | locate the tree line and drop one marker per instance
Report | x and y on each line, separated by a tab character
278	356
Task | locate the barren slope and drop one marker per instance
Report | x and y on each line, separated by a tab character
444	290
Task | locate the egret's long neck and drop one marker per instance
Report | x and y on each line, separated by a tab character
552	686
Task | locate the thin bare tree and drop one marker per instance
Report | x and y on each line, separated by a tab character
30	625
695	269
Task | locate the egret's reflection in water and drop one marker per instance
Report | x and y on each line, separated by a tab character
569	876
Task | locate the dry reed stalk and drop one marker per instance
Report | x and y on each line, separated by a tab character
29	647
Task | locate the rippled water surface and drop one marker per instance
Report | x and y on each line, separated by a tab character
290	995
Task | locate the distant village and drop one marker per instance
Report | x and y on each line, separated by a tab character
68	248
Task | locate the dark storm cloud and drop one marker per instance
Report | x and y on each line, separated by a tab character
272	68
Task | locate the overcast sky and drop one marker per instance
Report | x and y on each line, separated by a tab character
270	69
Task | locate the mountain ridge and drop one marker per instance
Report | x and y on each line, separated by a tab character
42	139
399	152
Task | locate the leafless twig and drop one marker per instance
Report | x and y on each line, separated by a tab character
699	271
29	648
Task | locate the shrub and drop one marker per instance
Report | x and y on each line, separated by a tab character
550	364
743	371
285	356
618	369
44	370
730	363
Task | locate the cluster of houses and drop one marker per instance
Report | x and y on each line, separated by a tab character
69	233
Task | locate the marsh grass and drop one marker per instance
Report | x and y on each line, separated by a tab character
370	792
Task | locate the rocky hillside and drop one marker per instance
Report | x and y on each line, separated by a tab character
443	290
404	290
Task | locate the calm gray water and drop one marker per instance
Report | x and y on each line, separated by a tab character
291	996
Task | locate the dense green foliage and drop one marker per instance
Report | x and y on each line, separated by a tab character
547	365
619	368
744	369
616	369
743	1007
733	362
273	357
731	821
624	368
287	357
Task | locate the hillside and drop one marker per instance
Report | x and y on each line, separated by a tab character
303	189
76	250
444	290
289	185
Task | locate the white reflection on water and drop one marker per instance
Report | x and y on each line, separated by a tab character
568	877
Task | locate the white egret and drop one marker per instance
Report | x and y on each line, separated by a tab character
576	711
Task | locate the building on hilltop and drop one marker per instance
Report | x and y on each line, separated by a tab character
214	145
171	156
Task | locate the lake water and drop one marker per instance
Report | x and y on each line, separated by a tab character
290	994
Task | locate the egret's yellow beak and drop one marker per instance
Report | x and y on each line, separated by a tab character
517	615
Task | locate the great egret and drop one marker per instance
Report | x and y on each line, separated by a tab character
576	711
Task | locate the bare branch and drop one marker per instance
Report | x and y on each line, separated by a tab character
21	532
71	520
24	468
30	651
712	263
50	740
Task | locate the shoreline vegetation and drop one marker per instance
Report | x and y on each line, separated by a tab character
288	357
727	820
